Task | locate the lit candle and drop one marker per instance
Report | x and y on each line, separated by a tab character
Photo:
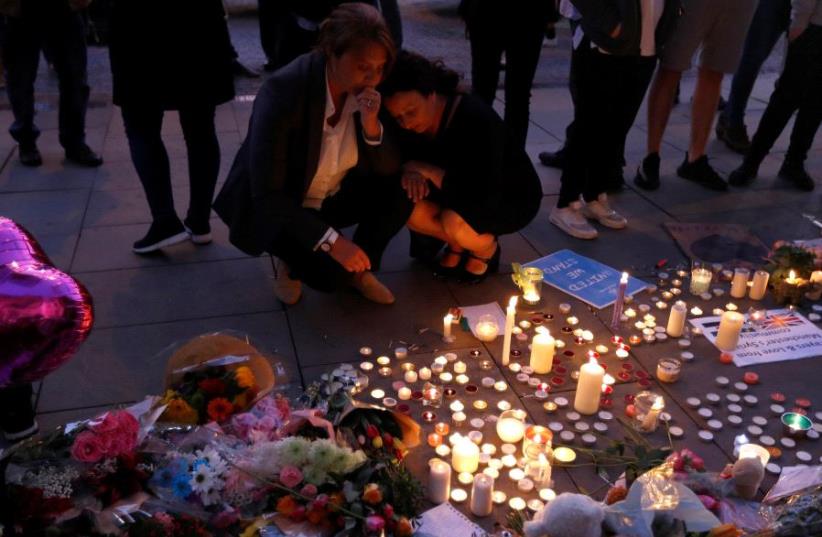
700	280
510	319
482	495
439	482
410	376
542	352
487	328
739	285
676	320
791	279
459	418
651	419
620	301
460	367
760	285
754	451
465	455
424	374
383	360
404	393
589	387
511	426
564	455
730	326
537	441
447	321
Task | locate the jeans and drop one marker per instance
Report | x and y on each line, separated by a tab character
610	90
494	28
770	22
143	128
376	204
61	33
799	88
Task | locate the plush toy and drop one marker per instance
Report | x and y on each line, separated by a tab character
569	515
748	474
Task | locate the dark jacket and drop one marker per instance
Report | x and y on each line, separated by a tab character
167	53
263	195
601	17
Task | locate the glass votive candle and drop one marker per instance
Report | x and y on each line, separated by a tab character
700	279
537	441
442	428
487	328
431	395
648	406
668	369
408	366
795	425
530	282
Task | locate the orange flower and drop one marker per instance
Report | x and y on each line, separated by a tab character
315	516
335	500
244	377
220	409
404	528
286	506
241	401
372	494
178	411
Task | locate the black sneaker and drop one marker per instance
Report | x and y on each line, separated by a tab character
744	175
199	233
647	174
554	159
29	155
796	174
699	171
160	235
84	156
18	435
734	136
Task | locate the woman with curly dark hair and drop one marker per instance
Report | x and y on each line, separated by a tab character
469	186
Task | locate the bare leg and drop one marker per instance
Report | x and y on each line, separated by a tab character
703	111
482	244
660	103
425	219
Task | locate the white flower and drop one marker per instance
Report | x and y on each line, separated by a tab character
314	475
323	453
294	451
202	480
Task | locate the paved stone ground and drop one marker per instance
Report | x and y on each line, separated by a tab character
87	219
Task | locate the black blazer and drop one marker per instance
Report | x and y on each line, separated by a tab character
262	198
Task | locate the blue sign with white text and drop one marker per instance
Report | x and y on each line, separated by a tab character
583	278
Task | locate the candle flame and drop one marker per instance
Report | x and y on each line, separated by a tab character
624	278
592	360
542	459
449	317
512	303
542	330
659	404
792	275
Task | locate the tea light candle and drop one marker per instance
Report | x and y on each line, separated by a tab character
564	455
443	450
439	482
458	418
480	404
404	393
622	352
729	328
630	313
460	367
458	495
437	368
488	382
482	492
542	352
384	371
377	394
462	379
547	495
465	455
366	366
434	439
446	377
517	503
589	387
760	285
500	386
401	353
676	320
424	374
410	377
572	321
739	285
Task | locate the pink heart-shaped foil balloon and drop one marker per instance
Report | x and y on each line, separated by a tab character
45	314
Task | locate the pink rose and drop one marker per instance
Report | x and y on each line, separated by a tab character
128	423
104	423
374	523
291	476
310	491
86	447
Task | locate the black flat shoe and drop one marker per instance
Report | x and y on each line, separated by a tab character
492	267
443	272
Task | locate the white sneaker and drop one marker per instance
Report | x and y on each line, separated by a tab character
600	210
570	220
287	290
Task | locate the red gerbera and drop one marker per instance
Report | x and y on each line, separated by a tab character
212	386
220	409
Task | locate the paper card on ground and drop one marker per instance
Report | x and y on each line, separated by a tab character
783	335
445	521
473	313
584	278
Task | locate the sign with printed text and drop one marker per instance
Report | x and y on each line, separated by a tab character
782	335
583	278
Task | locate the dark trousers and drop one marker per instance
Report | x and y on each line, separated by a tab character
270	16
494	28
16	408
61	33
148	153
377	205
770	22
799	88
610	90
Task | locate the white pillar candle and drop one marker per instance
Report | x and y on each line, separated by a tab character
729	328
465	455
439	482
589	388
482	493
676	320
410	376
739	285
753	451
446	327
424	374
760	285
542	352
510	318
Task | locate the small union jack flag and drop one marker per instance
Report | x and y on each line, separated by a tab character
781	320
